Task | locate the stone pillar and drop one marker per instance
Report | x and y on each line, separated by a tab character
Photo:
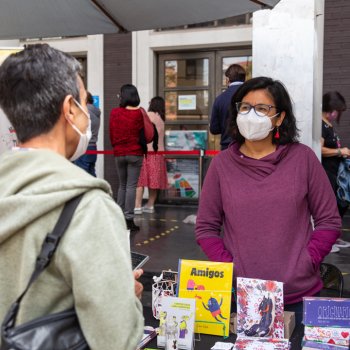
288	46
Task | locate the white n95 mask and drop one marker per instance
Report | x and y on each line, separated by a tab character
253	127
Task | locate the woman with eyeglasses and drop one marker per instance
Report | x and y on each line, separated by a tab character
271	196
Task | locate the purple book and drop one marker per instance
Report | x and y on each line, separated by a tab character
326	312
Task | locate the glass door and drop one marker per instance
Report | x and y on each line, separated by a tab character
186	82
189	83
224	58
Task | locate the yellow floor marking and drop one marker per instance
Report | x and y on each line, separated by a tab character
157	236
155	219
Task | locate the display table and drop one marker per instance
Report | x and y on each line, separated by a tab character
207	341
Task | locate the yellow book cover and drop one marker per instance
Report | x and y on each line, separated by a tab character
210	283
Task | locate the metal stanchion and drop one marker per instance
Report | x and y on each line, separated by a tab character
200	166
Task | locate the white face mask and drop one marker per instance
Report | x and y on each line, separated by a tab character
253	127
84	138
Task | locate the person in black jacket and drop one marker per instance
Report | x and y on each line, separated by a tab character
235	76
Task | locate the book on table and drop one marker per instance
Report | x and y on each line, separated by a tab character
180	314
260	308
210	284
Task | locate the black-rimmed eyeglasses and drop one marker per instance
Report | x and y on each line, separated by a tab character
261	109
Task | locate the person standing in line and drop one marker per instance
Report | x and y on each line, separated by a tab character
88	161
44	98
264	189
126	124
333	104
235	77
153	173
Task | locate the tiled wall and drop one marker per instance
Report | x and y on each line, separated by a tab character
336	70
117	72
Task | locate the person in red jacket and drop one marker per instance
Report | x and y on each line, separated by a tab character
125	127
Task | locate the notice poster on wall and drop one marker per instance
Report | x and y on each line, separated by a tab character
183	178
8	137
187	102
4	52
186	140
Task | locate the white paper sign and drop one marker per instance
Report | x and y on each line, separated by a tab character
187	102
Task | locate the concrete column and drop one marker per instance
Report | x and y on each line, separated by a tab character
9	43
143	66
95	68
288	46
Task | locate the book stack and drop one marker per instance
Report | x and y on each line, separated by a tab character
260	316
327	323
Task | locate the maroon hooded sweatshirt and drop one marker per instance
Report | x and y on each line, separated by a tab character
279	216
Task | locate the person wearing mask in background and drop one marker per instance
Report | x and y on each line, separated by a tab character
125	126
153	173
263	190
44	98
333	104
235	77
88	161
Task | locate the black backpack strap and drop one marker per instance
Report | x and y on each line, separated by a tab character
48	248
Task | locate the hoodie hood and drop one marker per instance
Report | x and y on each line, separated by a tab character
258	168
36	181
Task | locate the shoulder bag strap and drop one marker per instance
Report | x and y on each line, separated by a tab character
148	126
48	248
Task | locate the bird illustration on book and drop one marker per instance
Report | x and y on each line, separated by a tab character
214	307
267	313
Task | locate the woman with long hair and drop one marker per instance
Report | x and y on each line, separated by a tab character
153	173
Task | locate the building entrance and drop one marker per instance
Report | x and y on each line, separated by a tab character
189	83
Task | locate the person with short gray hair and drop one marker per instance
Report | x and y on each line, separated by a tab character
44	98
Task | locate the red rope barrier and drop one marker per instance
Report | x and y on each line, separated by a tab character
173	153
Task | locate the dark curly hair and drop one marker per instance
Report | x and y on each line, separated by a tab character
288	130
